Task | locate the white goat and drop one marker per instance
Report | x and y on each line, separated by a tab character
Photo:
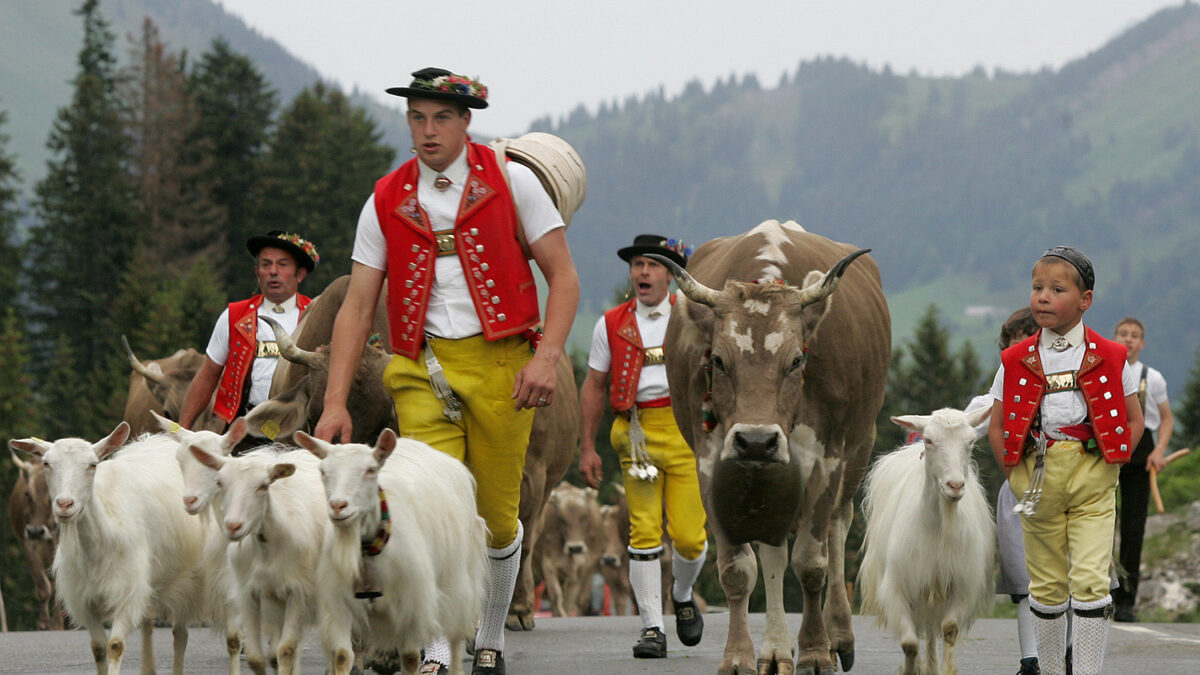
127	551
199	488
279	526
927	566
433	567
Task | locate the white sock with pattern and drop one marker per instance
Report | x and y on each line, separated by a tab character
1050	626
438	650
645	577
1089	638
504	565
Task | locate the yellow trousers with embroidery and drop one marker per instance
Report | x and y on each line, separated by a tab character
492	436
1069	541
676	487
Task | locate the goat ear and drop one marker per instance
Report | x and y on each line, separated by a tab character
168	425
23	445
211	461
384	445
282	470
912	422
235	433
107	445
977	417
313	445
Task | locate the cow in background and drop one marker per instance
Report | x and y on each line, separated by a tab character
29	512
567	551
781	417
297	393
162	385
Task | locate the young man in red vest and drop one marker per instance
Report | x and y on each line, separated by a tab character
445	231
627	367
1065	417
242	353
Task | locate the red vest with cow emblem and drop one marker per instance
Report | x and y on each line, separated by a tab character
628	354
485	230
1099	379
243	344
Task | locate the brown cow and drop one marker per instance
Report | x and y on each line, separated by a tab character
33	525
782	421
162	385
297	403
567	552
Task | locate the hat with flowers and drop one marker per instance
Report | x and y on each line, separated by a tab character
669	247
441	84
302	249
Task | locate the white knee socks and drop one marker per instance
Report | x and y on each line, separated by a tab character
505	563
645	578
685	572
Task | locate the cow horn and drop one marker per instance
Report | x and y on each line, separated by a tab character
694	290
821	290
288	348
138	367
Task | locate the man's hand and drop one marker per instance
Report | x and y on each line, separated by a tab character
1157	460
334	426
590	466
535	383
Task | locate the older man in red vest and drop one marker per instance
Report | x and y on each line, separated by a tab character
447	231
242	353
627	366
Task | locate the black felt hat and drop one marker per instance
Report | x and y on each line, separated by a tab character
441	84
653	243
301	249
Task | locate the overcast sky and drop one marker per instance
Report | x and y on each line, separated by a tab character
545	57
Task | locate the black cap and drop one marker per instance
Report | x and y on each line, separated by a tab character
1078	260
654	243
441	84
301	249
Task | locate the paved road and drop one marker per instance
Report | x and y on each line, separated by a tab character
601	646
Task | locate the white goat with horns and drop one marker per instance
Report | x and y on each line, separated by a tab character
432	563
926	569
127	551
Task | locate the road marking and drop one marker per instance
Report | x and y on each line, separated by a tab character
1156	634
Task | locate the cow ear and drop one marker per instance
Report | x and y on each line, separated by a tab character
385	445
107	445
815	312
280	416
701	315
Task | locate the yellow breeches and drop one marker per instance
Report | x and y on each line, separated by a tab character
1068	542
492	436
677	487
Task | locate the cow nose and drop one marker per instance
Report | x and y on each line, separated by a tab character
756	444
609	561
572	549
35	532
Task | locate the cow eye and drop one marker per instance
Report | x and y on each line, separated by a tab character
796	363
718	363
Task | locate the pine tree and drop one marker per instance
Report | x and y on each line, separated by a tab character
234	105
10	255
17	420
1187	412
88	209
322	165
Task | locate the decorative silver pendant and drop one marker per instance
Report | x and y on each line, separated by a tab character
441	183
1060	344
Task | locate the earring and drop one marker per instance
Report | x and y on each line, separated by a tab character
629	291
413	149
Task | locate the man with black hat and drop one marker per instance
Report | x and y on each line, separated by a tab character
242	353
451	232
627	366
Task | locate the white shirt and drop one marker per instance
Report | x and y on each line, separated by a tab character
1156	393
652	383
451	312
262	369
1062	408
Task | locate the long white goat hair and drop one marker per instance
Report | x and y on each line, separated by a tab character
923	551
432	570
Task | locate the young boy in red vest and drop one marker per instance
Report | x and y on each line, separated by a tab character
627	366
1065	417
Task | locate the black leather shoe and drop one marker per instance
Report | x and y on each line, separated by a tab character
1124	613
1029	666
651	645
488	662
689	623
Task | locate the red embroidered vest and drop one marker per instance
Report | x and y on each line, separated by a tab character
498	274
243	344
1099	379
628	354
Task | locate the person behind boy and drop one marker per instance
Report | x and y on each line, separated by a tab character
1013	580
1060	431
1151	451
627	367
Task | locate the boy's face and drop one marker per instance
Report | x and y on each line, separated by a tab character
1131	336
1057	302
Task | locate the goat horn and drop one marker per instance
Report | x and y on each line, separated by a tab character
823	288
138	367
288	348
694	290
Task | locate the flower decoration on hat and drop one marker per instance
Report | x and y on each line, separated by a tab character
678	246
304	245
454	84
